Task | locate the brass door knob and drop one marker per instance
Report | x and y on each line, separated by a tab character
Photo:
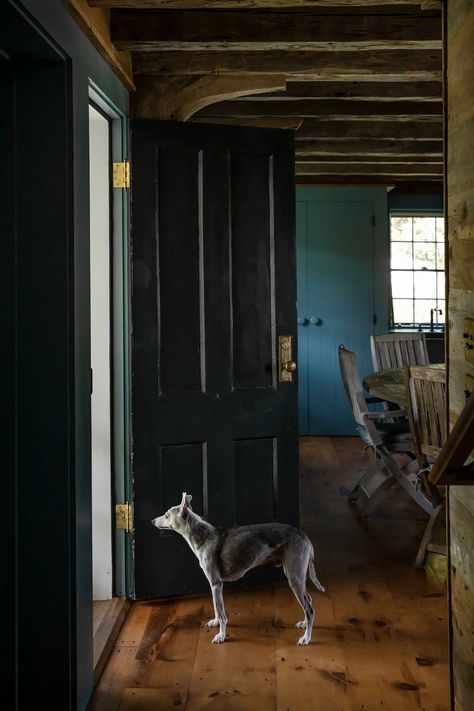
290	366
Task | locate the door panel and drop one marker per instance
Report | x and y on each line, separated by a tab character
213	287
342	273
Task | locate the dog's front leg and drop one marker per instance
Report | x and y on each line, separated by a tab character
219	611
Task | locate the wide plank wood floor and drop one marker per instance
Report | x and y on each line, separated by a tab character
380	640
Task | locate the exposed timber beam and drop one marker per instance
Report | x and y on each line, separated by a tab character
401	169
95	23
363	158
362	90
178	98
391	65
203	31
311	128
291	123
428	184
382	148
256	4
308	108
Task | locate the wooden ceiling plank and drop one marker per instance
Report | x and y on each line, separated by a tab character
308	108
311	128
364	158
256	4
367	168
178	98
389	64
200	31
292	123
362	90
369	147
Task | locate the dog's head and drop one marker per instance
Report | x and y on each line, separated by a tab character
175	518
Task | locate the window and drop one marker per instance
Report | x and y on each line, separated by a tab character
417	271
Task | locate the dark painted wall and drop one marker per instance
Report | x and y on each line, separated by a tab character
47	588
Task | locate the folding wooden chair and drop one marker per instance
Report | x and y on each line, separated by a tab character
390	441
394	350
427	417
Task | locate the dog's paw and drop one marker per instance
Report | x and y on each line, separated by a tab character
303	641
301	625
213	623
220	637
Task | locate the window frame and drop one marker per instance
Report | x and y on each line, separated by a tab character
416	325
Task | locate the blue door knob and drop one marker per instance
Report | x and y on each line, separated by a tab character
315	321
302	321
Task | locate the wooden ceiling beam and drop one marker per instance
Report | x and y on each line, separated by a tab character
178	98
421	169
363	90
291	123
258	4
202	31
422	130
391	65
96	26
364	158
383	148
309	108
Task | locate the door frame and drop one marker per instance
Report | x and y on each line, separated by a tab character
120	341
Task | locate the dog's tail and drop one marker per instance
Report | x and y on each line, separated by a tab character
312	575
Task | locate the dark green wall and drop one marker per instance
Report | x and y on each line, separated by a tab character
47	587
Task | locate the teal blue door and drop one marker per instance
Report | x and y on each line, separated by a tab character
342	278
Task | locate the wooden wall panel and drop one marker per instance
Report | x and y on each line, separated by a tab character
460	213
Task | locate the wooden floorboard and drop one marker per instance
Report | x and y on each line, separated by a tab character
380	640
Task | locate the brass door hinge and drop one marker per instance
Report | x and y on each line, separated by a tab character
121	175
124	517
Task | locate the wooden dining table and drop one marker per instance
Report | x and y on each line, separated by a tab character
390	385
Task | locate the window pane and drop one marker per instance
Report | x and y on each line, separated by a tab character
401	228
402	311
424	229
440	229
440	255
441	316
401	255
402	285
422	310
425	285
424	255
441	279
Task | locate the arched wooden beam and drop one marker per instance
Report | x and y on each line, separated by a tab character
177	98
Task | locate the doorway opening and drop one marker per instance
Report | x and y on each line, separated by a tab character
109	360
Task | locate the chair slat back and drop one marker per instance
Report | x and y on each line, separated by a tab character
427	411
395	350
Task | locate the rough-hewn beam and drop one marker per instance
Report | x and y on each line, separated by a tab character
95	24
269	122
388	110
364	158
383	148
368	168
392	65
201	31
428	184
364	90
422	130
178	98
255	4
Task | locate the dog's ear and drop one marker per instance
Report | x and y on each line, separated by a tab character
185	505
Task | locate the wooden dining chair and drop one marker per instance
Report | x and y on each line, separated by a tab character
426	395
390	442
394	350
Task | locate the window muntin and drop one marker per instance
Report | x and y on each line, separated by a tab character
417	250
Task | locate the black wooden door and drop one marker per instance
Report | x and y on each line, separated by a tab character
214	286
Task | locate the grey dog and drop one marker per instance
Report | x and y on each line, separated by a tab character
227	554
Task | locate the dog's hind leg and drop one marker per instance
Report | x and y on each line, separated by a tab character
220	618
297	583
